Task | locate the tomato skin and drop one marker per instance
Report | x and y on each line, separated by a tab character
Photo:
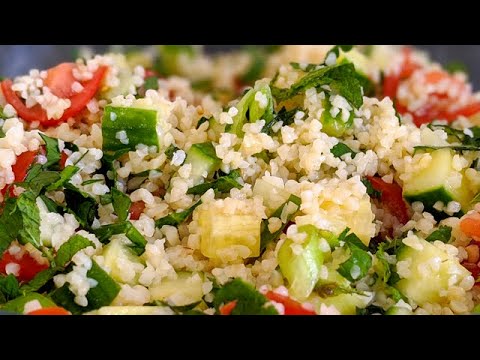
29	267
20	168
78	100
291	306
470	226
228	307
391	198
63	160
136	209
54	310
60	79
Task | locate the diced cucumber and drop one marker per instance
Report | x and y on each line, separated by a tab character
431	270
346	304
433	183
124	127
302	270
398	310
250	110
125	266
273	196
18	305
228	236
125	77
186	289
204	161
334	126
132	310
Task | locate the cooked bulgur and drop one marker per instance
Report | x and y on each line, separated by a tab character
270	180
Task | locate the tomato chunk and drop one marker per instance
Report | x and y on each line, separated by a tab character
54	310
291	306
136	209
29	267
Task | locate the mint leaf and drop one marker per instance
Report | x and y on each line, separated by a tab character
171	150
9	288
104	233
121	203
65	176
249	300
68	249
27	210
341	149
53	152
443	234
80	204
360	261
222	185
176	218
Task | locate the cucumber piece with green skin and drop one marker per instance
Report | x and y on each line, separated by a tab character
334	126
398	310
346	304
433	183
431	272
139	125
18	305
125	266
186	289
302	270
204	161
132	310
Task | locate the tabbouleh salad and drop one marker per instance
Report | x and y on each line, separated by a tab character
275	180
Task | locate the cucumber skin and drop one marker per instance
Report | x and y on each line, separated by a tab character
139	124
429	198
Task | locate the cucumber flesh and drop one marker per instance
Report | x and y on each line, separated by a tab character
132	310
186	289
204	161
432	184
431	270
273	196
398	310
334	126
125	266
302	270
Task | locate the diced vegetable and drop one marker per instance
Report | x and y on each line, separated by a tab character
225	236
124	127
184	290
335	125
53	310
431	271
398	310
301	267
391	198
273	196
204	161
434	183
125	266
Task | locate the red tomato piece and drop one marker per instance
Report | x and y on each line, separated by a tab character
54	310
391	198
291	306
228	308
29	267
136	208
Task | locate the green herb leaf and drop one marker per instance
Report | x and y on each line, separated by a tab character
360	261
53	152
456	66
249	300
342	79
341	149
382	267
68	249
10	223
91	181
256	67
9	288
176	218
221	185
104	233
151	83
121	204
336	50
170	151
28	211
80	204
65	176
266	236
305	68
443	234
40	280
51	205
370	190
286	117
